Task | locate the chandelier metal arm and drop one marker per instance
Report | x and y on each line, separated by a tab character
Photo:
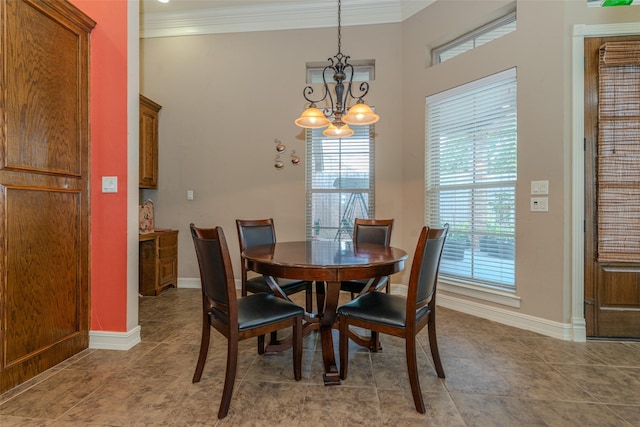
364	90
308	91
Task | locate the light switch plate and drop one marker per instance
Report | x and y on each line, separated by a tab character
539	187
109	184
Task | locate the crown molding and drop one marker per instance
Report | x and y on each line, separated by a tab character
276	16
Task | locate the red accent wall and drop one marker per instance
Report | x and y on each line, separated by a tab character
108	115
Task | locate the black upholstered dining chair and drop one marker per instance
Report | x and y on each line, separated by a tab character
377	231
254	232
236	318
400	316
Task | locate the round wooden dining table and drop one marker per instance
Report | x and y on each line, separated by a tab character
324	261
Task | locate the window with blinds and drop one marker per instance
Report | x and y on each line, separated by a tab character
618	164
476	38
340	182
470	174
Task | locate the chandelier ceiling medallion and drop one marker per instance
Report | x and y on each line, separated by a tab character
338	116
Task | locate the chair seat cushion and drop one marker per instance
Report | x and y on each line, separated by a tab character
258	284
263	309
356	286
381	308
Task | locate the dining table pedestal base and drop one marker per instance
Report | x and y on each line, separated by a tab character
327	322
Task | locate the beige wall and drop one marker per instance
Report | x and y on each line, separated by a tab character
210	85
227	97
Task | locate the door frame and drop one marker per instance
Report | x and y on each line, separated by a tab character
580	32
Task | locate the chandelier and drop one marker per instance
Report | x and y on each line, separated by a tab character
338	116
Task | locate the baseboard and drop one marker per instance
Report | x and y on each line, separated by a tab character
194	283
558	330
579	329
114	340
189	282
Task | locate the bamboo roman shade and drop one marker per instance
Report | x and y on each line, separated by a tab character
618	164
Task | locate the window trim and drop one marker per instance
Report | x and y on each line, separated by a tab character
472	290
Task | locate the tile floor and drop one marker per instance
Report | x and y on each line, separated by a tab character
496	376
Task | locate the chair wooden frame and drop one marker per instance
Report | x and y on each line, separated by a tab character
360	228
359	287
407	319
289	289
235	318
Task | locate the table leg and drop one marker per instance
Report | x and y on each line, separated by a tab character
331	375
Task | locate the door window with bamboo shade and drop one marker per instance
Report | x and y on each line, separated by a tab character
618	176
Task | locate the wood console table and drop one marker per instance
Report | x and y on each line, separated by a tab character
158	268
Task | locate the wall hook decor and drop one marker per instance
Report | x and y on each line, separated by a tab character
280	147
295	160
279	164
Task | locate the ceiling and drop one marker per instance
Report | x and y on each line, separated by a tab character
191	17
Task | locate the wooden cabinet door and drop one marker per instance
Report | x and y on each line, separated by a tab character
44	179
148	143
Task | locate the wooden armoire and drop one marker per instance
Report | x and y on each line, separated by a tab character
44	186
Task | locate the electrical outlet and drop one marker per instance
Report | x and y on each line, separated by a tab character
189	194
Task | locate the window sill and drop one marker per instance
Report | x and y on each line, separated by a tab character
474	291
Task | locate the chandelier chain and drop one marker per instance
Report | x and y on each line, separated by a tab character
339	27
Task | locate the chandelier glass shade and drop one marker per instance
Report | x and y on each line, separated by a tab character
312	118
337	115
334	131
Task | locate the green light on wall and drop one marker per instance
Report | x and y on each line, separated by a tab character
606	3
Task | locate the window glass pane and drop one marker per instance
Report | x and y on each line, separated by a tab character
456	50
471	173
361	73
495	34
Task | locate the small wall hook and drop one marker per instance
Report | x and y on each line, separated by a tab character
295	160
279	164
280	147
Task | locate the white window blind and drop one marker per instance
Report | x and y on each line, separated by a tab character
361	73
470	174
340	182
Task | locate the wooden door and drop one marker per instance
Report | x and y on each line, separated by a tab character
44	180
612	287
